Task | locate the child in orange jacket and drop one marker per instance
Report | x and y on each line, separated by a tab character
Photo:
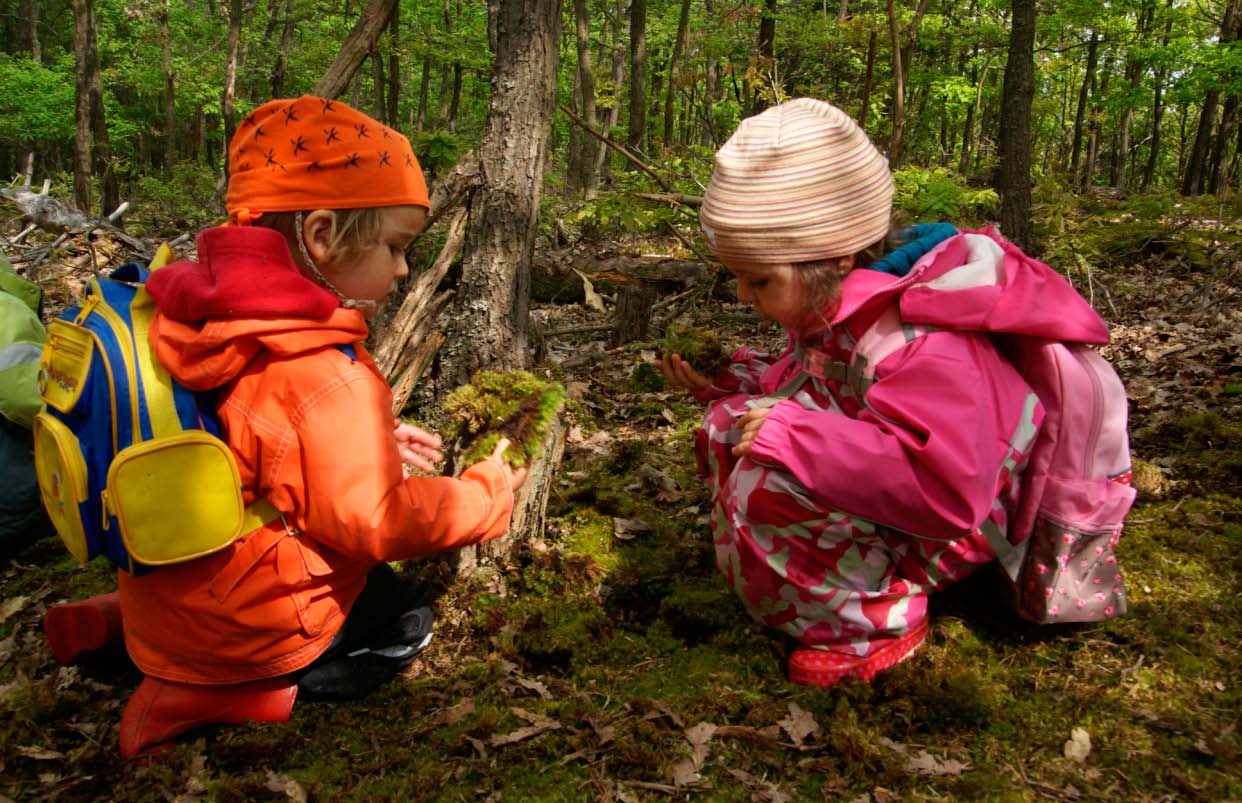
324	201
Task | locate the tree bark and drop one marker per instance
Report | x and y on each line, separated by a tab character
583	168
670	90
280	68
1192	179
1157	113
377	85
899	89
636	138
374	18
1093	134
488	326
1088	83
617	76
424	77
394	66
710	81
865	108
227	111
170	96
1014	173
765	47
1219	180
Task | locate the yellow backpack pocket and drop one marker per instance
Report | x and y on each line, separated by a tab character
64	364
61	472
176	498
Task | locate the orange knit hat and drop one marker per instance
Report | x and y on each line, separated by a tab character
799	182
308	153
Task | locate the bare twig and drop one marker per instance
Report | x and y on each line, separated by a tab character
619	148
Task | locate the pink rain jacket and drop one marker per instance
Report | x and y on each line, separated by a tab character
925	453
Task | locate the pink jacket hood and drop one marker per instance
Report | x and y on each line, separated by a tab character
979	282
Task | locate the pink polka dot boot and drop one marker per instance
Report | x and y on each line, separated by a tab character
812	667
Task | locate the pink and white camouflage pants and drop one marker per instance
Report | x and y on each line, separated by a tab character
824	577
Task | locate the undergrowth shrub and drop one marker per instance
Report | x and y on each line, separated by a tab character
929	194
182	202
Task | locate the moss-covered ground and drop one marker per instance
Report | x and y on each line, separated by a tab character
607	661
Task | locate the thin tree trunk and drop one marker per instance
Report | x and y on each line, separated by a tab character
377	84
354	50
82	139
280	68
679	45
1088	83
1219	180
899	89
1014	171
1093	134
765	46
394	66
617	76
584	168
710	81
865	107
636	138
31	8
170	96
227	110
424	78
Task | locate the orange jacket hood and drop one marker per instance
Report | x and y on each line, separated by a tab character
207	354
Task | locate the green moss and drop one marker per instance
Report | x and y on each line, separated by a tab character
496	405
701	348
645	377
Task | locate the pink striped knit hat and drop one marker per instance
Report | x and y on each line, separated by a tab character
799	182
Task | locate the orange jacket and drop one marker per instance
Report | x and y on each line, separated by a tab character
312	432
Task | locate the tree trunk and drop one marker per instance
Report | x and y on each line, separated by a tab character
424	77
227	111
31	8
636	139
1219	180
765	46
866	90
1088	83
82	139
710	81
394	66
1216	180
280	68
170	96
617	77
377	85
1014	173
1093	134
489	320
374	18
583	170
899	90
679	45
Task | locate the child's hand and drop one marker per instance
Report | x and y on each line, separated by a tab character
678	372
749	424
417	447
515	476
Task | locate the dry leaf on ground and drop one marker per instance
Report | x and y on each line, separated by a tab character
1078	746
799	724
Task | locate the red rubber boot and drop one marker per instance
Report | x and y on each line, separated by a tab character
76	629
812	667
160	710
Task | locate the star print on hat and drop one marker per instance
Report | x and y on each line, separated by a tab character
299	154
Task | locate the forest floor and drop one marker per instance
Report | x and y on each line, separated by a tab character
608	661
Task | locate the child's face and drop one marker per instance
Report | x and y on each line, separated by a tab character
373	272
774	291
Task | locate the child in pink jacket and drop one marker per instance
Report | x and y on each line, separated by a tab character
844	492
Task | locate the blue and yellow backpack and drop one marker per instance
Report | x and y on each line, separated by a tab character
129	462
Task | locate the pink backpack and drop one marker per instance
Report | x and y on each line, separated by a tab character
1075	488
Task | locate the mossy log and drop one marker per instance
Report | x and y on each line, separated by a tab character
553	278
529	508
